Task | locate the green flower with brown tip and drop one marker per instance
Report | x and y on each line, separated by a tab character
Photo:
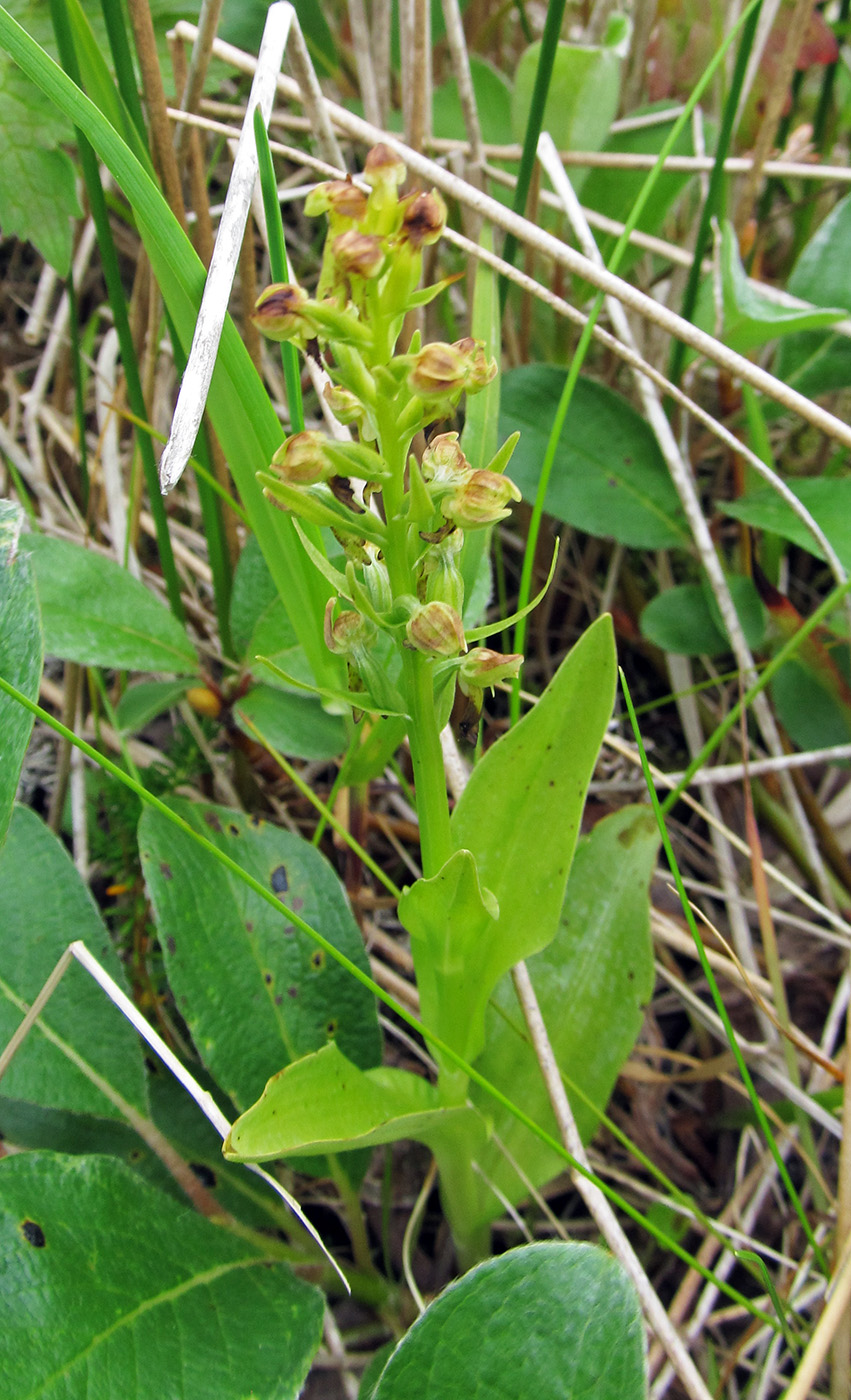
436	630
480	500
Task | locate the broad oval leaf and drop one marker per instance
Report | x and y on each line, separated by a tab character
685	620
293	724
324	1103
828	499
544	1322
45	906
592	984
582	101
520	811
114	1289
609	476
254	990
817	362
20	655
96	613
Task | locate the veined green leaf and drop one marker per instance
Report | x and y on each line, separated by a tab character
21	647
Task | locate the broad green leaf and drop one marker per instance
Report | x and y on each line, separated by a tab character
20	655
521	809
543	1322
255	992
583	97
808	706
113	1289
142	702
378	741
592	984
685	620
450	919
751	319
815	363
493	101
294	724
609	476
238	405
323	1103
38	193
96	613
260	624
45	906
828	499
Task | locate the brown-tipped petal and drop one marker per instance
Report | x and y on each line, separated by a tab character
384	167
438	369
348	632
480	370
302	460
480	500
482	667
437	630
424	219
358	254
443	461
338	198
279	312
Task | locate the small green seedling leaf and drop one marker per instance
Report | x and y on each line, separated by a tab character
583	97
323	1103
451	919
255	992
828	499
295	724
549	1321
752	319
819	361
125	1290
592	984
45	905
519	814
21	655
682	620
609	476
96	613
142	702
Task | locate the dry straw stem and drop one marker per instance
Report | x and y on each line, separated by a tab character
564	308
693	165
736	365
683	480
208	23
604	1216
807	1373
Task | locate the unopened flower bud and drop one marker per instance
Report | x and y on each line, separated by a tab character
436	629
280	312
480	370
384	167
339	199
345	406
424	219
482	667
480	500
444	464
347	634
358	254
302	460
438	371
442	578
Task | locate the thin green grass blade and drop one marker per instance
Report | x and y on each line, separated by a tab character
279	265
410	1020
768	673
112	275
715	991
713	205
588	331
540	93
119	45
242	415
79	404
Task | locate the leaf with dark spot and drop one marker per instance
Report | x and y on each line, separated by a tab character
33	1234
279	881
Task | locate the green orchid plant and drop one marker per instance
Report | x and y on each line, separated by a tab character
495	869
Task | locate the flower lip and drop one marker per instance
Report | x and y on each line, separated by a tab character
279	311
